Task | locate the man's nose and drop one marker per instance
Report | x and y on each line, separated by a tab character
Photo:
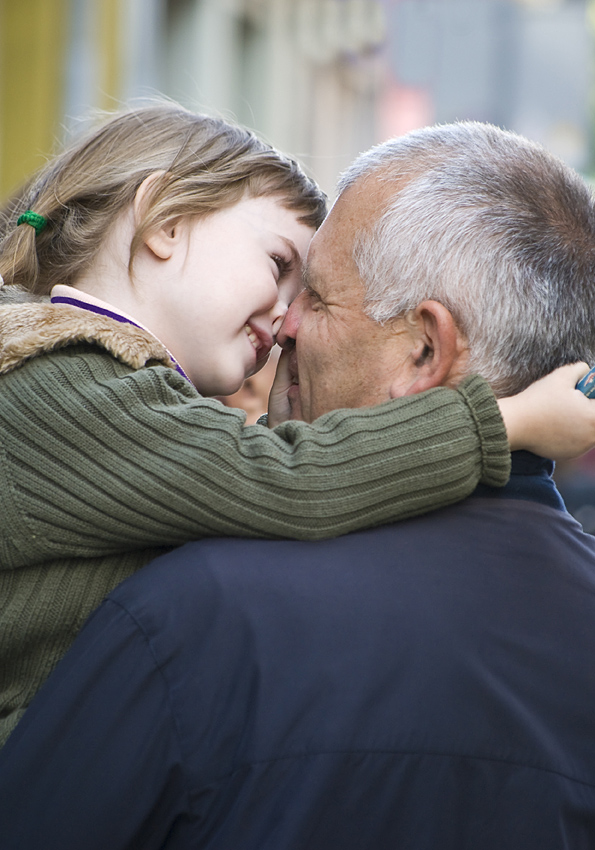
288	331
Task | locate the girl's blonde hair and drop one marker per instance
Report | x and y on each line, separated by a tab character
203	164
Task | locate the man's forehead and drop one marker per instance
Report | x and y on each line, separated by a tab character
330	256
358	208
362	202
361	205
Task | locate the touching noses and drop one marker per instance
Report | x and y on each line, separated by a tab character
278	313
288	330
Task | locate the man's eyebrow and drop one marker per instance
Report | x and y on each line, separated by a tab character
312	284
308	278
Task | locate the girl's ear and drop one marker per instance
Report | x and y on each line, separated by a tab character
163	242
160	242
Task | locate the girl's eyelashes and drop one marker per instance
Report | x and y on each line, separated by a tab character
284	266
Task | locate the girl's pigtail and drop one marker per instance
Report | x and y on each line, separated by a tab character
19	261
19	265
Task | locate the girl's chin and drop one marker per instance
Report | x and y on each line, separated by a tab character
256	368
229	377
232	387
223	387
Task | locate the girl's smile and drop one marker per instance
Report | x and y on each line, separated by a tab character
215	290
225	288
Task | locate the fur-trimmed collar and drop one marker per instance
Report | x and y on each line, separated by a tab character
30	329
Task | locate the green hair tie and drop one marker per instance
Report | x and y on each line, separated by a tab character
38	222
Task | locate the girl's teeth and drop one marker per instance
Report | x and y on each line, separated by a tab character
252	336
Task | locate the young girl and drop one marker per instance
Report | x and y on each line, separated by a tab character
170	245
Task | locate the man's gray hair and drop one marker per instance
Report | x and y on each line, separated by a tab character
495	228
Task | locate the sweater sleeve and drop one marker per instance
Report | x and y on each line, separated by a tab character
98	458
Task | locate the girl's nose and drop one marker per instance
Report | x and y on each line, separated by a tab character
289	328
278	313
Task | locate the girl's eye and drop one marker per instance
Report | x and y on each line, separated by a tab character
284	266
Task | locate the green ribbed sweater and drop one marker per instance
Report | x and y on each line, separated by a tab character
102	467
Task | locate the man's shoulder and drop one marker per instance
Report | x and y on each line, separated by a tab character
237	572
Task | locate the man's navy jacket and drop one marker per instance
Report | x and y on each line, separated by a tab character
424	685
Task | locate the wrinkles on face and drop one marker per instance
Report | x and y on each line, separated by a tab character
344	358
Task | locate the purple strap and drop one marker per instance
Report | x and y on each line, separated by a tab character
102	311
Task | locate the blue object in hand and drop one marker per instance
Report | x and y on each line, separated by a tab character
587	384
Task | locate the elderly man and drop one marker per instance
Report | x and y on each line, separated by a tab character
426	685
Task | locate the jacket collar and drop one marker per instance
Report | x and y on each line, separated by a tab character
33	328
61	294
530	480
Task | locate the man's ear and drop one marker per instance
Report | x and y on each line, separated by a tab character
437	347
160	242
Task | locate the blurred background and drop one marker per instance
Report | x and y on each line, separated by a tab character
322	79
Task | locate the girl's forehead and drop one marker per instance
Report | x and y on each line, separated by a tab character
260	218
268	211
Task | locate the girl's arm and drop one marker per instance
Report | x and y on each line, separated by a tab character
99	459
549	418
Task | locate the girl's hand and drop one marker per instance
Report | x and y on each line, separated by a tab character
551	418
279	409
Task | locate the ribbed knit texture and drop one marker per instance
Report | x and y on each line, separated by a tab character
102	467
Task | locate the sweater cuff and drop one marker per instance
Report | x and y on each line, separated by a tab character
495	451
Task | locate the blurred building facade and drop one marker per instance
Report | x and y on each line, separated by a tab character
305	74
323	79
526	65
